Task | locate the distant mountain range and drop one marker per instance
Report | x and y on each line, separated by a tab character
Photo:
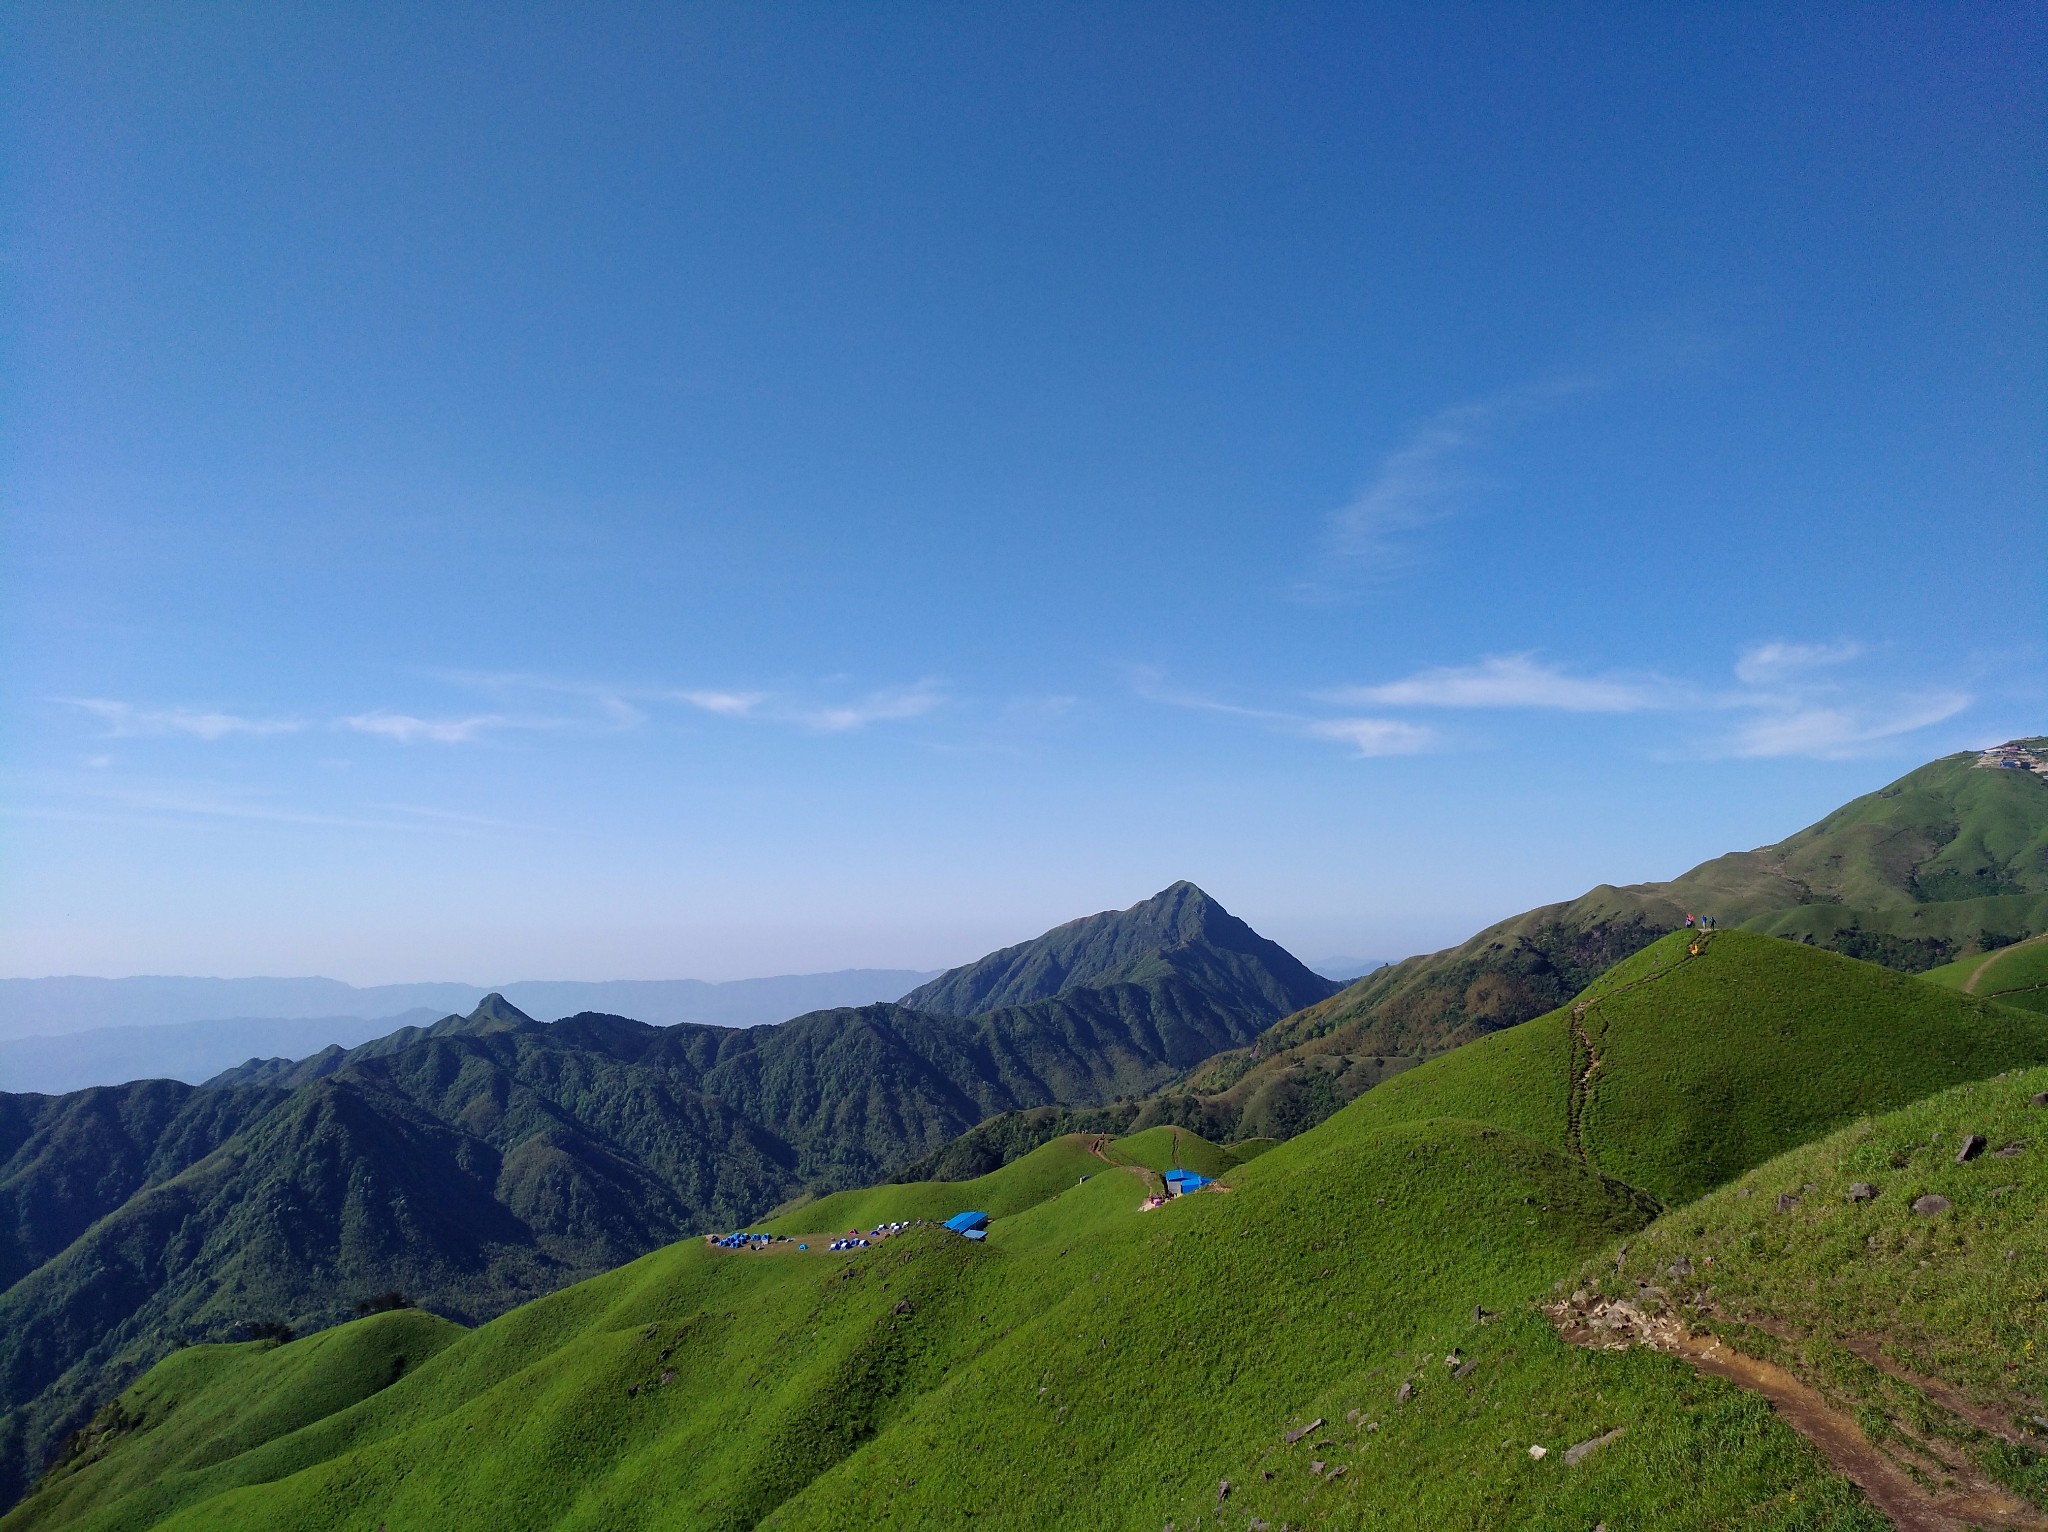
489	1157
64	1056
52	1007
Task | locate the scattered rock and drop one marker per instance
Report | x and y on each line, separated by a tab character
1404	1393
1682	1267
903	1306
1465	1371
1351	1417
1454	1361
1747	1191
1338	1470
1257	1525
1973	1145
1862	1191
632	1391
1929	1205
1222	1490
668	1376
2017	1146
1316	1467
1313	1425
1539	1453
1573	1456
2040	1098
1787	1202
1480	1315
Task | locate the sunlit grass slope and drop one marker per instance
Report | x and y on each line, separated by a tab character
1089	1366
1025	1182
1709	1064
1093	1365
2015	975
209	1417
1045	1172
1849	1292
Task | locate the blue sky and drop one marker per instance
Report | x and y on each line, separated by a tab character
613	492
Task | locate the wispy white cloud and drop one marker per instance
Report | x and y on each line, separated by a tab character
124	720
887	705
726	704
1840	730
1366	736
1376	736
407	729
1762	664
1510	681
1425	479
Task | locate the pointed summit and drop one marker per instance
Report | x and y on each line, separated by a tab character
493	1013
1180	932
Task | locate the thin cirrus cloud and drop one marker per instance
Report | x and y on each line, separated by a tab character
595	709
886	706
1371	737
1510	681
124	720
1762	664
408	729
1836	731
1427	478
1368	737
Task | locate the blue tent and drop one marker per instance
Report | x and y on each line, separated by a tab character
1181	1182
963	1223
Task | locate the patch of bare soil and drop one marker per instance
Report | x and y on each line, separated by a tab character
1966	1499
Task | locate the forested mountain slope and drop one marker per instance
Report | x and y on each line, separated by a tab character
1179	933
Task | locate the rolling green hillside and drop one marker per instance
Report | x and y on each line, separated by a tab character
2015	975
1090	1365
1951	859
1677	1071
1094	1364
490	1158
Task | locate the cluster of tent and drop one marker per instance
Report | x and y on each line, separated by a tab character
853	1239
740	1239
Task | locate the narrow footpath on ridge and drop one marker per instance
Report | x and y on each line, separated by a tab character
1581	1093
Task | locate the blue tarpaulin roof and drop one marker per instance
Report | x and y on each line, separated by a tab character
960	1223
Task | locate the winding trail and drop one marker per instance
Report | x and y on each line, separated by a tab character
1970	984
1966	1500
1581	1093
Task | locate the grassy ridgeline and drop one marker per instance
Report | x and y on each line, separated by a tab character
1712	1063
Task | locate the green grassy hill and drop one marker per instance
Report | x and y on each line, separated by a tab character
2014	975
1949	860
1709	1064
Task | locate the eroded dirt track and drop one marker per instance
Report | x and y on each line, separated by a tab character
1966	1500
